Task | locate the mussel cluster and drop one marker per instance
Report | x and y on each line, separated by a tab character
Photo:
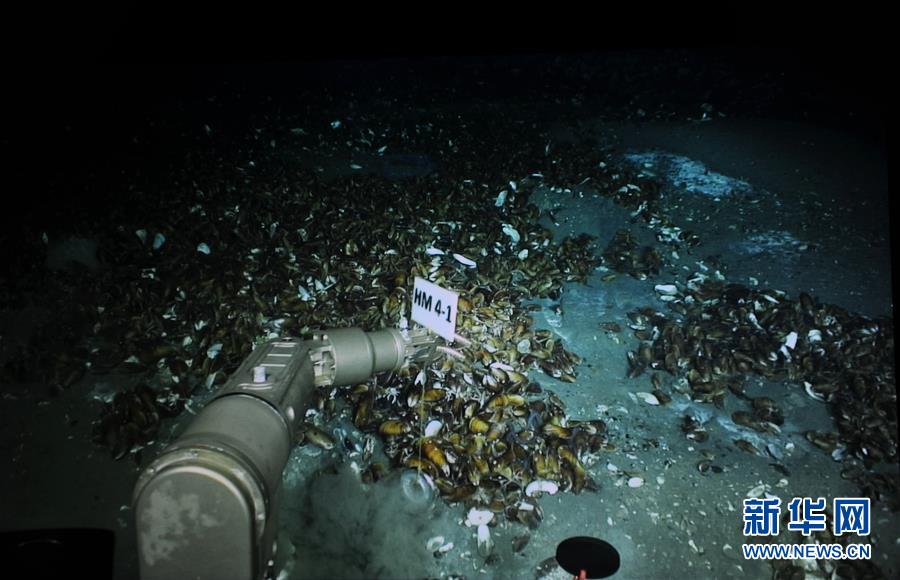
132	419
623	255
719	332
481	430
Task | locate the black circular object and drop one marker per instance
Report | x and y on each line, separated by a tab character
598	559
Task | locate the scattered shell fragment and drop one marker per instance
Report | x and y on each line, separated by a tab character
433	428
464	260
812	393
635	482
512	233
477	517
539	486
485	543
434	543
666	289
445	548
757	491
694	546
203	248
790	340
648	398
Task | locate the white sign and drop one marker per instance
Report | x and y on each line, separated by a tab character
434	308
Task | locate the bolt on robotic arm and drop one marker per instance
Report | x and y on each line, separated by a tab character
207	506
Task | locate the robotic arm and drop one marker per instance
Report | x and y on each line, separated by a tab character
207	506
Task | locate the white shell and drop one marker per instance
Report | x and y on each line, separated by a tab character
807	386
477	517
667	289
485	543
757	491
523	254
636	482
434	543
541	486
158	241
213	351
648	398
434	251
814	335
203	248
433	428
790	340
464	260
511	232
142	234
523	346
501	198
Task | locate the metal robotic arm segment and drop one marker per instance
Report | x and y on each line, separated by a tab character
207	506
